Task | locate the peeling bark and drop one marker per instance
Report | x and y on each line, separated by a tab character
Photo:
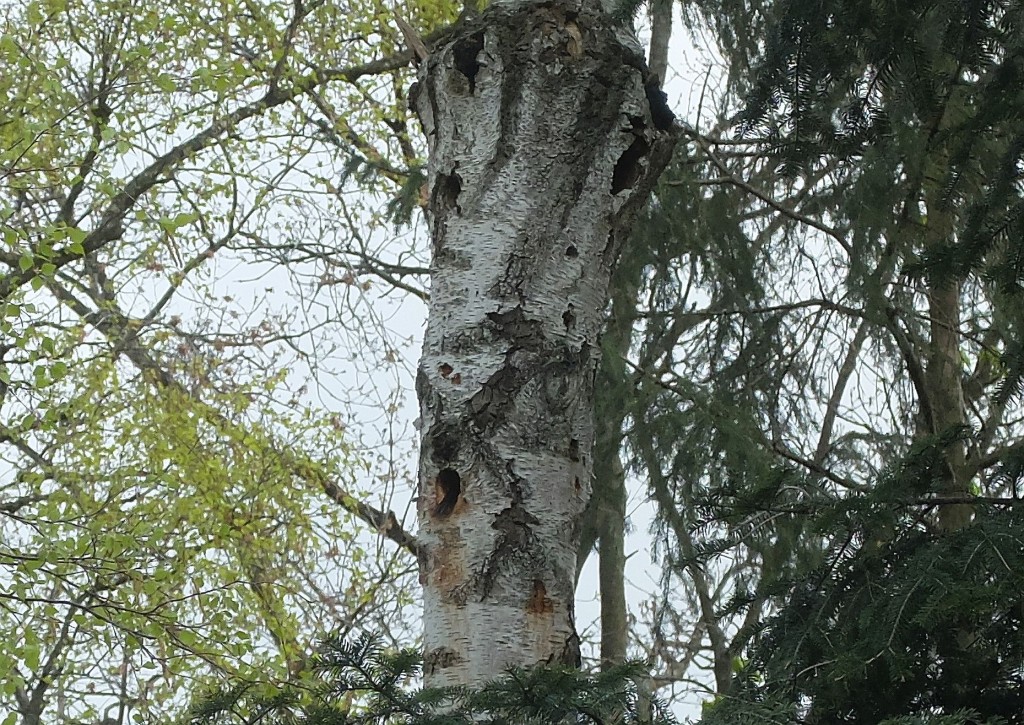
542	146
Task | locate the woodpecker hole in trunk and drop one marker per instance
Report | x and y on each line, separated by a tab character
449	487
569	317
466	52
627	171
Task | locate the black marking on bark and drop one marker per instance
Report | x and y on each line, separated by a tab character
515	524
446	194
558	372
464	53
511	87
574	450
515	537
414	97
489	406
430	399
514	326
572	252
518	268
423	564
444	442
515	484
449	484
439	659
491	403
423	388
661	114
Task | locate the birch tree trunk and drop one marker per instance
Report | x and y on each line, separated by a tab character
543	141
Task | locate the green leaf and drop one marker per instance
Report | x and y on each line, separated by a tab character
77	237
188	638
165	83
30	651
170	224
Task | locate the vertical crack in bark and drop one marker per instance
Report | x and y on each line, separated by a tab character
570	655
445	196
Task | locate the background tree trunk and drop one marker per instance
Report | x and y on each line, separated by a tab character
604	521
542	146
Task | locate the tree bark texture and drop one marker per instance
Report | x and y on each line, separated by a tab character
543	142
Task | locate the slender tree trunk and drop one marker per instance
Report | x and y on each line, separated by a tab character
944	376
945	385
611	551
605	519
661	33
542	147
608	505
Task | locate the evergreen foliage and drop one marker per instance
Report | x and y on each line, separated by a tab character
843	80
359	681
913	113
830	357
899	622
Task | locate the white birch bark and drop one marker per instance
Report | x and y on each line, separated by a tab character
542	146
